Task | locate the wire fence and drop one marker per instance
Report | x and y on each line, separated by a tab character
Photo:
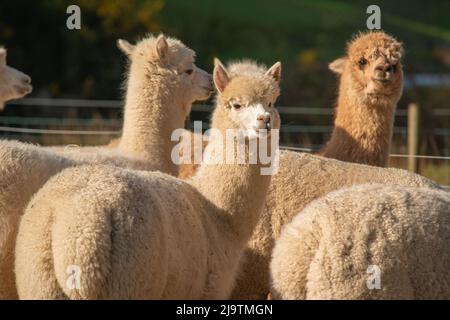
21	125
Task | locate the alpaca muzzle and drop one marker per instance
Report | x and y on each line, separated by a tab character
263	121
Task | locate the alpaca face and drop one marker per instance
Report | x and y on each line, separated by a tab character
13	83
249	98
373	67
196	82
169	60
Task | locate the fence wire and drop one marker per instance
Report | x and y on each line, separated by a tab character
114	104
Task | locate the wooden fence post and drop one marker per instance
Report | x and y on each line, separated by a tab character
413	136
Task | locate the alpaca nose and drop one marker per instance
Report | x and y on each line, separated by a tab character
383	72
384	66
26	80
264	119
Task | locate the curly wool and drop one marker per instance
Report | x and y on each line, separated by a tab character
301	179
153	109
339	243
145	235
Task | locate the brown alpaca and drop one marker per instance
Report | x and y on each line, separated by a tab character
371	83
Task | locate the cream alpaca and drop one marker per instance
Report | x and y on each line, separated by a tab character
366	242
301	179
13	83
147	235
163	82
371	83
193	144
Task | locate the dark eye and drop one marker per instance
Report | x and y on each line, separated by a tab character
189	72
270	104
362	62
236	106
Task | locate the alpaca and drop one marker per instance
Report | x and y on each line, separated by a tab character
193	144
163	82
371	83
175	89
366	242
13	83
301	179
147	235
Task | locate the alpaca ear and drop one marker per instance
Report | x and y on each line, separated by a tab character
162	49
275	71
2	57
125	46
337	66
220	76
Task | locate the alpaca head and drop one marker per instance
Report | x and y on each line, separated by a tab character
246	97
372	68
13	83
167	61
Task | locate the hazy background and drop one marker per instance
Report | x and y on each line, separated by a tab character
304	34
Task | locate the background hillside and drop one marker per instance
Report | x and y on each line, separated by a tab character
304	34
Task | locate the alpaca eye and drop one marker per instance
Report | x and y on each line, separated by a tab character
189	72
236	106
270	104
362	62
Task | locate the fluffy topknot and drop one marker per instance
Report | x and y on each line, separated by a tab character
245	67
373	44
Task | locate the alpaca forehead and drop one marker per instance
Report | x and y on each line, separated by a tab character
251	89
375	45
245	68
178	52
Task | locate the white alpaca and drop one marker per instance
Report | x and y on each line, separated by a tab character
163	82
366	242
13	83
144	235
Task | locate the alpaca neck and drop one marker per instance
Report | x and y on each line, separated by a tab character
237	190
362	131
152	113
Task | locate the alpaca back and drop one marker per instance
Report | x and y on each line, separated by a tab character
131	233
24	169
301	179
332	249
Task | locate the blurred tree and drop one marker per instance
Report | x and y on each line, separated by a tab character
74	63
